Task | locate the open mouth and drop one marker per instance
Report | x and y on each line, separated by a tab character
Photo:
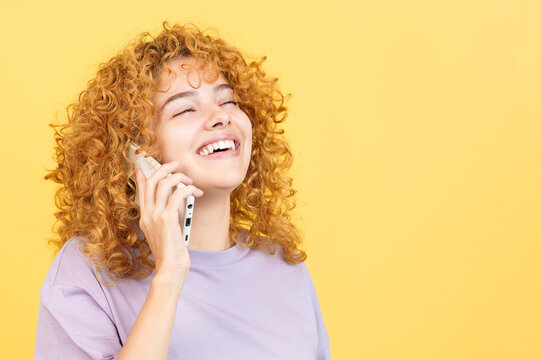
220	152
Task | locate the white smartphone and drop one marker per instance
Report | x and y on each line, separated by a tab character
148	165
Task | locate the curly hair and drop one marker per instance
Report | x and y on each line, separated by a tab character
96	200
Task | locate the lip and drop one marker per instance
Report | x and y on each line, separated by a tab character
221	138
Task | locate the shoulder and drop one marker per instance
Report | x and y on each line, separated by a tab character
276	265
70	266
277	257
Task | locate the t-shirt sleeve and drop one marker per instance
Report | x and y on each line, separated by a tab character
323	347
74	321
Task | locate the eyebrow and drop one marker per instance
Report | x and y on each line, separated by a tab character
192	93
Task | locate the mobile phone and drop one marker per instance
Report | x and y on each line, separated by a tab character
148	165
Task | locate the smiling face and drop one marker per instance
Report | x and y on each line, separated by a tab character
193	110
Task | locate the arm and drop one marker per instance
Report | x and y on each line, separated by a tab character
151	335
323	348
74	324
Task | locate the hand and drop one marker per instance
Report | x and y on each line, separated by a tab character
159	219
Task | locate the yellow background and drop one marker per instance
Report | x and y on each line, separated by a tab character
416	131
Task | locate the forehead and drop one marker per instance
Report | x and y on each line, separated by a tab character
186	73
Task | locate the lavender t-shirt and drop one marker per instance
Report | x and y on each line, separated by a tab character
239	303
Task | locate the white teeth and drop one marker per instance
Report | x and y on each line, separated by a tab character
209	149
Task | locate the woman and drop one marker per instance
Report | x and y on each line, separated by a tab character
123	284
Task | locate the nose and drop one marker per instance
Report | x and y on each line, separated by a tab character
218	118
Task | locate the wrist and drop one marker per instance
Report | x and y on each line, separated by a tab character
163	279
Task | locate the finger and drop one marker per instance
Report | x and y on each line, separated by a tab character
140	186
165	188
151	182
179	195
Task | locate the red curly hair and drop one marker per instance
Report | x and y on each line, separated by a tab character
97	201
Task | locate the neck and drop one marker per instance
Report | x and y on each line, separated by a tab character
210	222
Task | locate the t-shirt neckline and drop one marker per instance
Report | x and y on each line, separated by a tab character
215	258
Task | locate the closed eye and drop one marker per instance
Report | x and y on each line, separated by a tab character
182	112
227	102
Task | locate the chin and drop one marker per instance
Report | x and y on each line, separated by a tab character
222	184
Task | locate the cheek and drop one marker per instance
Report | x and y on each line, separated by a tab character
173	142
249	140
248	135
247	126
